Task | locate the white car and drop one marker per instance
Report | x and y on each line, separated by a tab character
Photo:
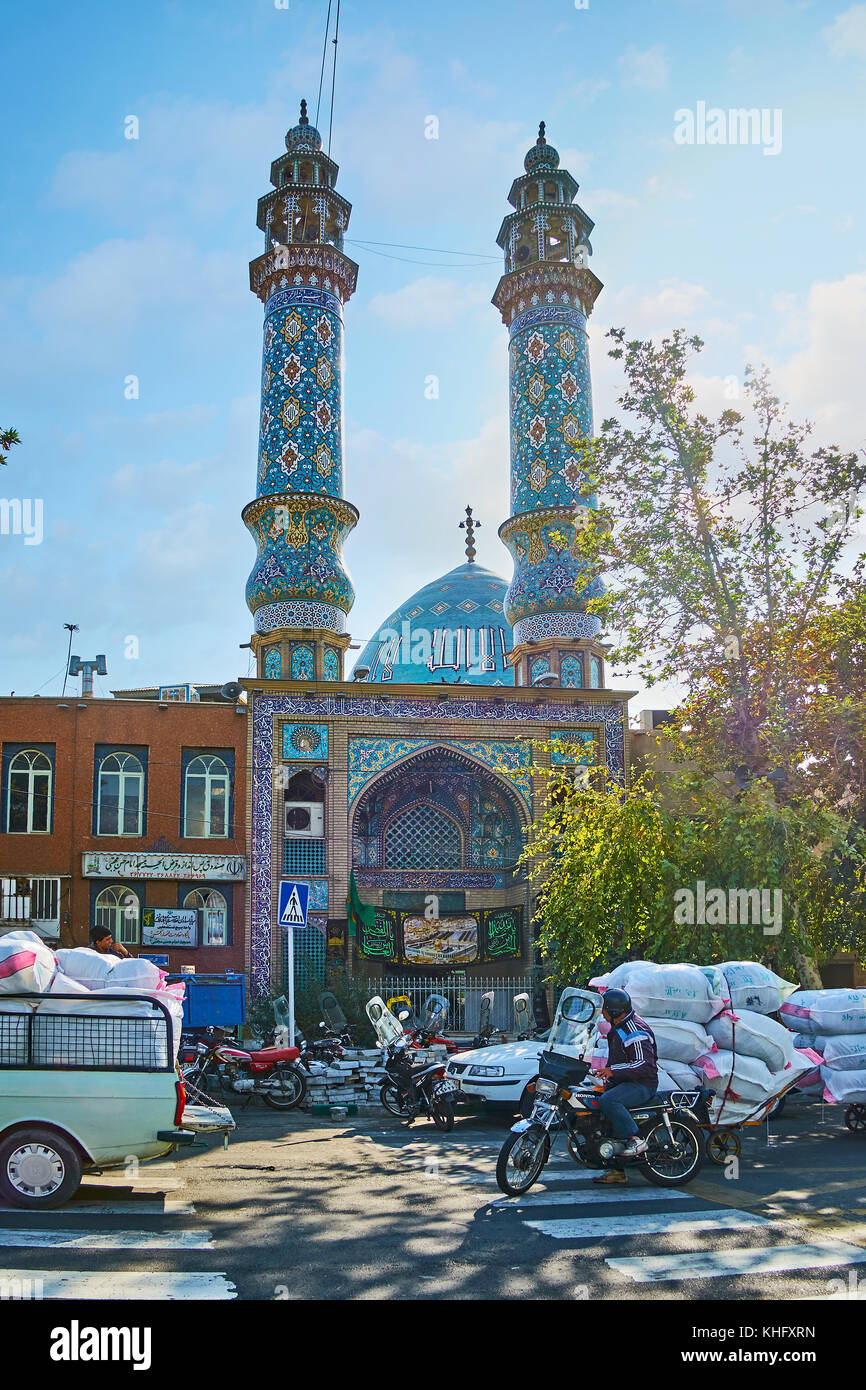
500	1074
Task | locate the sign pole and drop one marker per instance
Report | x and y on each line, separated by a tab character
291	956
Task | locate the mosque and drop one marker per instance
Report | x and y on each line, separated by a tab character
402	793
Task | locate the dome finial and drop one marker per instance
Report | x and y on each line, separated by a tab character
470	527
304	117
542	139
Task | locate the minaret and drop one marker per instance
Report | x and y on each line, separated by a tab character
545	297
298	590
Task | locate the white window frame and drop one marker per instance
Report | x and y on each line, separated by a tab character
33	770
117	916
125	775
211	778
210	903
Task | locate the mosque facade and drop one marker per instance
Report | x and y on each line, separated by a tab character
409	785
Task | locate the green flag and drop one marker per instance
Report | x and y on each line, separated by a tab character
360	914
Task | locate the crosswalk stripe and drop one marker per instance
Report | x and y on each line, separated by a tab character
621	1195
715	1264
31	1238
146	1207
645	1223
118	1284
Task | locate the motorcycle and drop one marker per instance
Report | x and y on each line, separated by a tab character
408	1089
484	1036
669	1126
271	1072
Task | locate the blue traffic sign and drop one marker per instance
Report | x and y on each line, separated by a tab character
292	910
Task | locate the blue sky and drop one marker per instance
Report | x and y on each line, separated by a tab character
124	257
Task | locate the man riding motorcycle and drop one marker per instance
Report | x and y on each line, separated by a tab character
631	1076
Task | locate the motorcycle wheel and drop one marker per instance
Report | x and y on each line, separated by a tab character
673	1169
521	1159
443	1115
286	1088
394	1101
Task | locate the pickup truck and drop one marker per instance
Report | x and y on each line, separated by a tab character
87	1082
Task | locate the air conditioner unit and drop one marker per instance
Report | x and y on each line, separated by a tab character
305	820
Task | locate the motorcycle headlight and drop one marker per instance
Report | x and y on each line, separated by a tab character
486	1071
544	1088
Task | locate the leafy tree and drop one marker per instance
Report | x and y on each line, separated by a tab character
7	439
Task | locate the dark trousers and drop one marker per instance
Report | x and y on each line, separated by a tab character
617	1102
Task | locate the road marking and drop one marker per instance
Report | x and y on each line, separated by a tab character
105	1240
145	1207
121	1284
599	1194
714	1264
645	1223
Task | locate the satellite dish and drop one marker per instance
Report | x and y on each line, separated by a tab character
231	690
547	678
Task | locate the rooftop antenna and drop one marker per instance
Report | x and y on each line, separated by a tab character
470	527
70	628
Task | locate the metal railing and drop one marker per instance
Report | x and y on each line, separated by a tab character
71	1032
464	997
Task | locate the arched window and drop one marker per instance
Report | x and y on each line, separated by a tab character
29	793
212	905
540	667
206	799
302	663
120	797
422	837
596	673
331	665
117	909
273	664
571	672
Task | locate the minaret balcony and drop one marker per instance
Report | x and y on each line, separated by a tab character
315	264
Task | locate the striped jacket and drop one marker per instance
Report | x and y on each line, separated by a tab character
632	1053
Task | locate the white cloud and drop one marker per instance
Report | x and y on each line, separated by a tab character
825	378
588	90
846	36
647	69
609	201
675	300
430	302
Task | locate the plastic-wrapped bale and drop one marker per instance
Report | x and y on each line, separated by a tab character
827	1011
685	1078
88	967
750	985
619	976
136	973
14	1015
679	1039
844	1087
815	1041
846	1052
674	992
107	1032
754	1035
26	967
745	1078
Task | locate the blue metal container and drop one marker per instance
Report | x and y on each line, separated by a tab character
213	999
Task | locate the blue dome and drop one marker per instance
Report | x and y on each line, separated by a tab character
453	629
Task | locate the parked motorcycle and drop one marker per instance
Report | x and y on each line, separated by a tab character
272	1072
484	1036
408	1089
670	1125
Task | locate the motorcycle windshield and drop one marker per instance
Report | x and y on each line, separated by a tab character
388	1028
576	1013
523	1019
485	1016
331	1011
435	1013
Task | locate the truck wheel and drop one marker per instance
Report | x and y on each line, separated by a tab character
38	1169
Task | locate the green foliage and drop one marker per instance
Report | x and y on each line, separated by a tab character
351	993
608	863
7	439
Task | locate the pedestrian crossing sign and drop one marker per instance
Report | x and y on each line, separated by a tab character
292	911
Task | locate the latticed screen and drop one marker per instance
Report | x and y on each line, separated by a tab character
422	838
304	857
309	950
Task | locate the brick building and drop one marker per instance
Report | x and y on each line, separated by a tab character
112	811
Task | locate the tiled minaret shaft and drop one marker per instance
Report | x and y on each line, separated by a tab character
545	297
299	591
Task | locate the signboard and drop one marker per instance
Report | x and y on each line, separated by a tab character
161	961
169	926
292	909
447	942
440	940
129	864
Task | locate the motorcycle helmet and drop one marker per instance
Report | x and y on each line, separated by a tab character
616	1002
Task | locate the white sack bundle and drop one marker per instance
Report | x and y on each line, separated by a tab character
846	1052
13	1031
741	1030
829	1011
844	1087
679	1039
136	974
747	1078
88	967
673	991
685	1077
64	984
618	977
750	985
26	967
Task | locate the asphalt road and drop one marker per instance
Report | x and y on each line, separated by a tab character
303	1208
